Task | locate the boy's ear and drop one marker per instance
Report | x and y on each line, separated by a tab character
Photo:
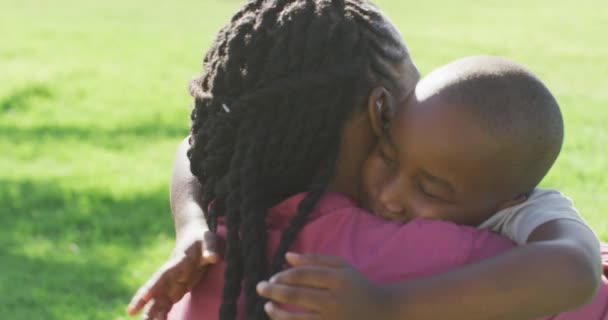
380	108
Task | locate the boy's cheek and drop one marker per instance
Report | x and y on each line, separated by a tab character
367	182
373	175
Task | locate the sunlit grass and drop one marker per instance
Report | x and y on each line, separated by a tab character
93	101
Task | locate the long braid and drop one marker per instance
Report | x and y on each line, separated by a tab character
234	253
256	206
278	84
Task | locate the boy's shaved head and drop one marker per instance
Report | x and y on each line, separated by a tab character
476	136
512	105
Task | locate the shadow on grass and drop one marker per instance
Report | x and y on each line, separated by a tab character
119	137
115	138
48	288
63	251
21	98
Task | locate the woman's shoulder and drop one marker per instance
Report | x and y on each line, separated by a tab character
341	220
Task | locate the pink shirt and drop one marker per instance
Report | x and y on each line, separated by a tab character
382	250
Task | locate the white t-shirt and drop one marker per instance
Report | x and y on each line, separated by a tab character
543	205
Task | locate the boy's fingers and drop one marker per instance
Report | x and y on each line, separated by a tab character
296	259
165	276
306	298
309	276
182	269
209	257
157	311
195	277
277	313
139	300
144	294
176	292
210	254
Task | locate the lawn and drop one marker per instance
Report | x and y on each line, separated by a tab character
93	101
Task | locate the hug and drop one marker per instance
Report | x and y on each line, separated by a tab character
323	179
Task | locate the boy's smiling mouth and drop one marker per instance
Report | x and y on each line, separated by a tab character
381	211
398	217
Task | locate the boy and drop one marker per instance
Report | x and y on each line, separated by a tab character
470	146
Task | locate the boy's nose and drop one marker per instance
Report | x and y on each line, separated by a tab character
394	208
392	198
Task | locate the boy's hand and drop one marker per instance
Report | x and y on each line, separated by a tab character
193	253
326	288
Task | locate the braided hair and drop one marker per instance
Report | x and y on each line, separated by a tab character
278	84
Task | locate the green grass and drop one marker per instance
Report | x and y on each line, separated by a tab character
93	101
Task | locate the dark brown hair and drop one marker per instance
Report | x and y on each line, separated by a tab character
278	84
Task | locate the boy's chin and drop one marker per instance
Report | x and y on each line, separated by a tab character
393	218
383	214
364	204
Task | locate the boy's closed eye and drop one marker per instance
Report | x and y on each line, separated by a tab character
388	154
435	188
428	194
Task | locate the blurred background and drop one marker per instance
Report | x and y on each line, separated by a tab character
93	101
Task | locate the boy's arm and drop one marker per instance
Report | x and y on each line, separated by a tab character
195	247
559	269
185	195
191	230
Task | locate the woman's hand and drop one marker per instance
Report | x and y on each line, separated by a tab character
327	288
195	249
